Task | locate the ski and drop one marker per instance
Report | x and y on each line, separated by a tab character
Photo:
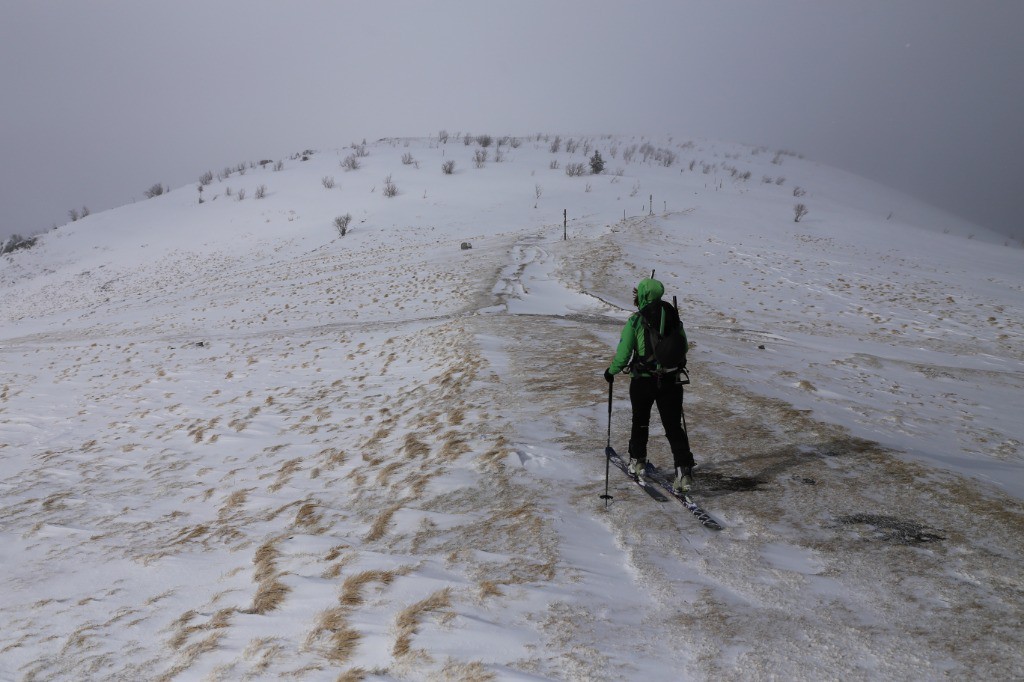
651	490
653	474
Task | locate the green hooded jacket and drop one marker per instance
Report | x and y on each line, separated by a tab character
632	341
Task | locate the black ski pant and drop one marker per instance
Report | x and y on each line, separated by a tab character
644	393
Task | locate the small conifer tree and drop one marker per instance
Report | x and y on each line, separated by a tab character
596	163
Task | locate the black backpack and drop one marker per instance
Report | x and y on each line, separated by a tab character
665	344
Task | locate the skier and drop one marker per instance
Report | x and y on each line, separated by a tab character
651	383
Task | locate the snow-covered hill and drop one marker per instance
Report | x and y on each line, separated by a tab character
234	444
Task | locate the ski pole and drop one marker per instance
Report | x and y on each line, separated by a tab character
607	456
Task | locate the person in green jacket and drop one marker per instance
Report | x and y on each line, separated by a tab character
651	384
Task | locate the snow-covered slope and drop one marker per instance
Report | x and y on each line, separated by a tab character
234	443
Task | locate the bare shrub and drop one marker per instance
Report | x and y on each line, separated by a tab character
73	214
514	143
799	211
480	158
468	139
556	144
206	178
538	190
279	166
448	167
484	141
361	150
390	188
327	181
241	194
261	192
571	145
15	242
442	136
350	163
554	165
407	159
154	191
799	191
574	170
85	211
341	224
780	181
628	153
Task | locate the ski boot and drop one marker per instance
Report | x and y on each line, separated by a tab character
637	467
684	480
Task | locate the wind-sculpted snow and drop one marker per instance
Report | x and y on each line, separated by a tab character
234	445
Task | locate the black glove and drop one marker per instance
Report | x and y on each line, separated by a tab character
608	376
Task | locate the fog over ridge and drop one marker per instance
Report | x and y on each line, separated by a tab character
103	100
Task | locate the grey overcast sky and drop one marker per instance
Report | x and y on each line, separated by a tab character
100	99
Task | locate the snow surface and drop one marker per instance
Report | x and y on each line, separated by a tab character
235	445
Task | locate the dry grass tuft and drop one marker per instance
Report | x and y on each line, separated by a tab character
343	639
335	552
454	446
407	621
308	518
413	447
270	591
488	588
333	457
385	474
235	500
352	588
285	474
269	595
380	524
455	671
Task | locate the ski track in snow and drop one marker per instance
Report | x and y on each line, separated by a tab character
221	469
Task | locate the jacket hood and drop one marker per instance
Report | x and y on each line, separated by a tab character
648	291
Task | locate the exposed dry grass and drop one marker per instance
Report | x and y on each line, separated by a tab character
332	457
308	518
285	474
408	619
235	500
190	654
342	638
413	447
488	588
385	474
456	671
352	588
454	446
380	524
270	591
